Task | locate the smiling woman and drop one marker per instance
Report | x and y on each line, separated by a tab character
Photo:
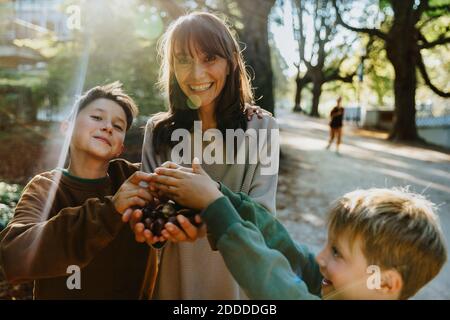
201	77
203	74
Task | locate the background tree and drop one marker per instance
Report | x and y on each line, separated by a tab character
404	42
281	85
379	74
255	36
298	7
122	47
319	51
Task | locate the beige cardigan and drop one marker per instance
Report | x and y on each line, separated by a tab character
193	270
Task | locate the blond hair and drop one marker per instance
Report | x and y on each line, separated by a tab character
399	230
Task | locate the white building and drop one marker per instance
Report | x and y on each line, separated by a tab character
33	18
29	19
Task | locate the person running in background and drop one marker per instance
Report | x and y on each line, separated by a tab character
337	115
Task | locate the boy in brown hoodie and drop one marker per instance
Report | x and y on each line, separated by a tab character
76	246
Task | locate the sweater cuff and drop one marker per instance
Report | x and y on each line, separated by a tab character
219	216
235	198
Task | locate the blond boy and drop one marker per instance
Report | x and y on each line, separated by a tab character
382	243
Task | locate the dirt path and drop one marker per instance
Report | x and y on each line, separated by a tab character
311	177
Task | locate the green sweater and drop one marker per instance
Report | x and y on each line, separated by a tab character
259	252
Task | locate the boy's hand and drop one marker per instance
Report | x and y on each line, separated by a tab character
171	232
194	189
189	232
141	234
131	194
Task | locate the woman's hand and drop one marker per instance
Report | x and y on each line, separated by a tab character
252	110
190	188
159	194
188	231
140	233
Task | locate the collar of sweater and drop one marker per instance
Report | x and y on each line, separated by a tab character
82	183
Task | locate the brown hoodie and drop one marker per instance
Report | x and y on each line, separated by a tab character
82	229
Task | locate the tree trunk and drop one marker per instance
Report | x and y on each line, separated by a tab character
316	91
298	95
255	35
404	126
402	51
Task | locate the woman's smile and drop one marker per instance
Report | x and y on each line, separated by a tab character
201	87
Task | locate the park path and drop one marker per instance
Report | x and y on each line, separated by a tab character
311	177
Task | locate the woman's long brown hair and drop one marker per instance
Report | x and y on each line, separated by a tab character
210	35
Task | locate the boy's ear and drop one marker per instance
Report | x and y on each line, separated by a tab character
391	283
